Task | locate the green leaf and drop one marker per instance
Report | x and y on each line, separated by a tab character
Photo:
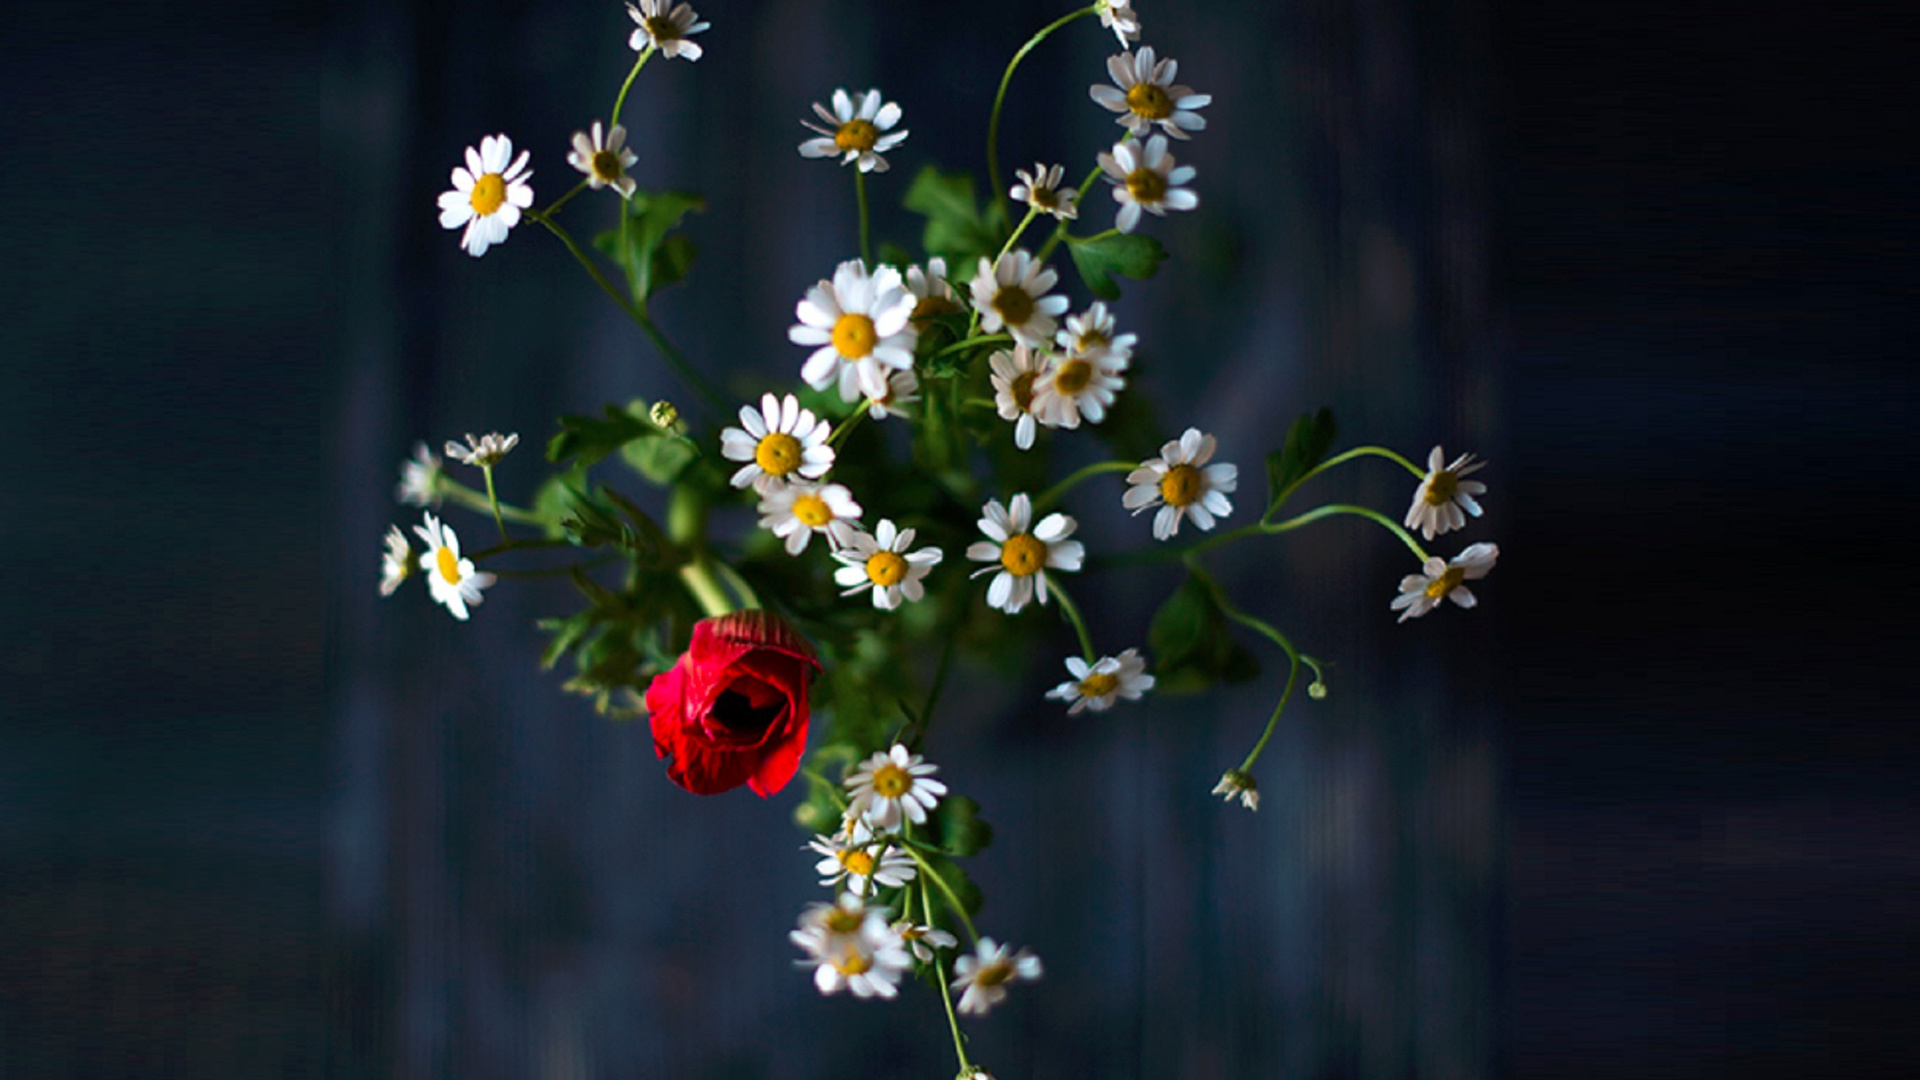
1307	444
1126	254
653	259
661	460
955	227
1181	624
591	439
1193	646
957	828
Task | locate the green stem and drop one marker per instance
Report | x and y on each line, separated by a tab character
1053	494
1060	230
860	193
517	545
564	199
493	502
699	578
953	900
1337	459
940	673
474	500
1000	97
973	343
842	429
557	571
940	976
621	101
1295	522
1268	631
749	600
1072	613
1017	230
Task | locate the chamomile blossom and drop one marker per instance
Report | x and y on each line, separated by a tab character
666	26
855	133
451	579
1182	484
779	441
1144	94
604	157
861	325
1235	783
1098	685
1442	580
882	562
855	857
1076	388
1022	557
983	975
1041	190
891	785
419	478
1118	16
396	563
1092	335
488	195
903	389
1145	178
483	452
851	947
933	295
1013	373
796	511
923	940
1010	294
1445	497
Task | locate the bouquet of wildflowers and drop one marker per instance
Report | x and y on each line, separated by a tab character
909	519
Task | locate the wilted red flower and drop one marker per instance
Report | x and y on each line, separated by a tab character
733	709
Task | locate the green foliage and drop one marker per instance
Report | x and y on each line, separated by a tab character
615	642
1126	254
662	460
956	227
1192	645
589	439
656	256
1307	444
957	828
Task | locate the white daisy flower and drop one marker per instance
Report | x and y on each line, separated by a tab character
854	857
451	579
1146	179
779	441
419	478
1440	580
855	134
1023	557
604	158
488	194
1013	375
1234	783
1098	685
666	26
1445	497
862	325
1181	483
985	973
1011	294
851	947
903	389
484	452
883	563
890	785
798	510
932	293
1118	16
1146	95
1092	335
923	940
1041	190
1077	387
396	563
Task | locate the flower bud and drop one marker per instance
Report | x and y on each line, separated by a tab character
733	708
666	417
1237	783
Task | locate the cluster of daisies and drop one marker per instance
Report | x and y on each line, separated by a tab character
865	940
1443	501
450	576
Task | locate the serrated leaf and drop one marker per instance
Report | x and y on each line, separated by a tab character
955	228
661	460
1308	441
957	828
1193	646
1126	254
591	438
653	259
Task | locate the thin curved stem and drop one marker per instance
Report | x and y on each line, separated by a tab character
860	194
518	545
845	427
1000	98
1017	230
1308	518
749	600
973	343
474	500
1072	612
1267	630
1338	459
556	571
554	207
621	101
940	976
1053	494
699	579
493	503
946	890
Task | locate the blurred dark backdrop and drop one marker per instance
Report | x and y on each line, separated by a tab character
1647	811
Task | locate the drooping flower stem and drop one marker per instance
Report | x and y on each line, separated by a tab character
860	194
940	976
687	527
1338	459
953	900
698	576
493	502
1000	97
1072	613
1266	630
621	101
1295	522
1053	494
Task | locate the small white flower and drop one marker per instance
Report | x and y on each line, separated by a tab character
488	194
1445	497
419	478
666	26
862	325
1011	294
855	134
451	579
903	389
1146	179
798	510
1098	685
1013	375
985	973
1181	483
1440	580
603	156
1147	96
851	947
1092	335
1234	783
1022	557
890	785
855	857
923	940
1118	16
778	441
396	563
932	294
1041	190
484	452
1077	387
883	563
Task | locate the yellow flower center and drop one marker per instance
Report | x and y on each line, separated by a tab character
891	781
1022	390
1181	485
1446	583
1045	198
886	568
857	135
606	165
853	336
778	454
994	974
1146	186
812	511
1440	489
1099	684
1149	101
1092	339
488	193
857	862
1073	377
1014	305
448	564
842	921
852	963
662	28
1022	555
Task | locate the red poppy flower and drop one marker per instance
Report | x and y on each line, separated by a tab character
733	709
